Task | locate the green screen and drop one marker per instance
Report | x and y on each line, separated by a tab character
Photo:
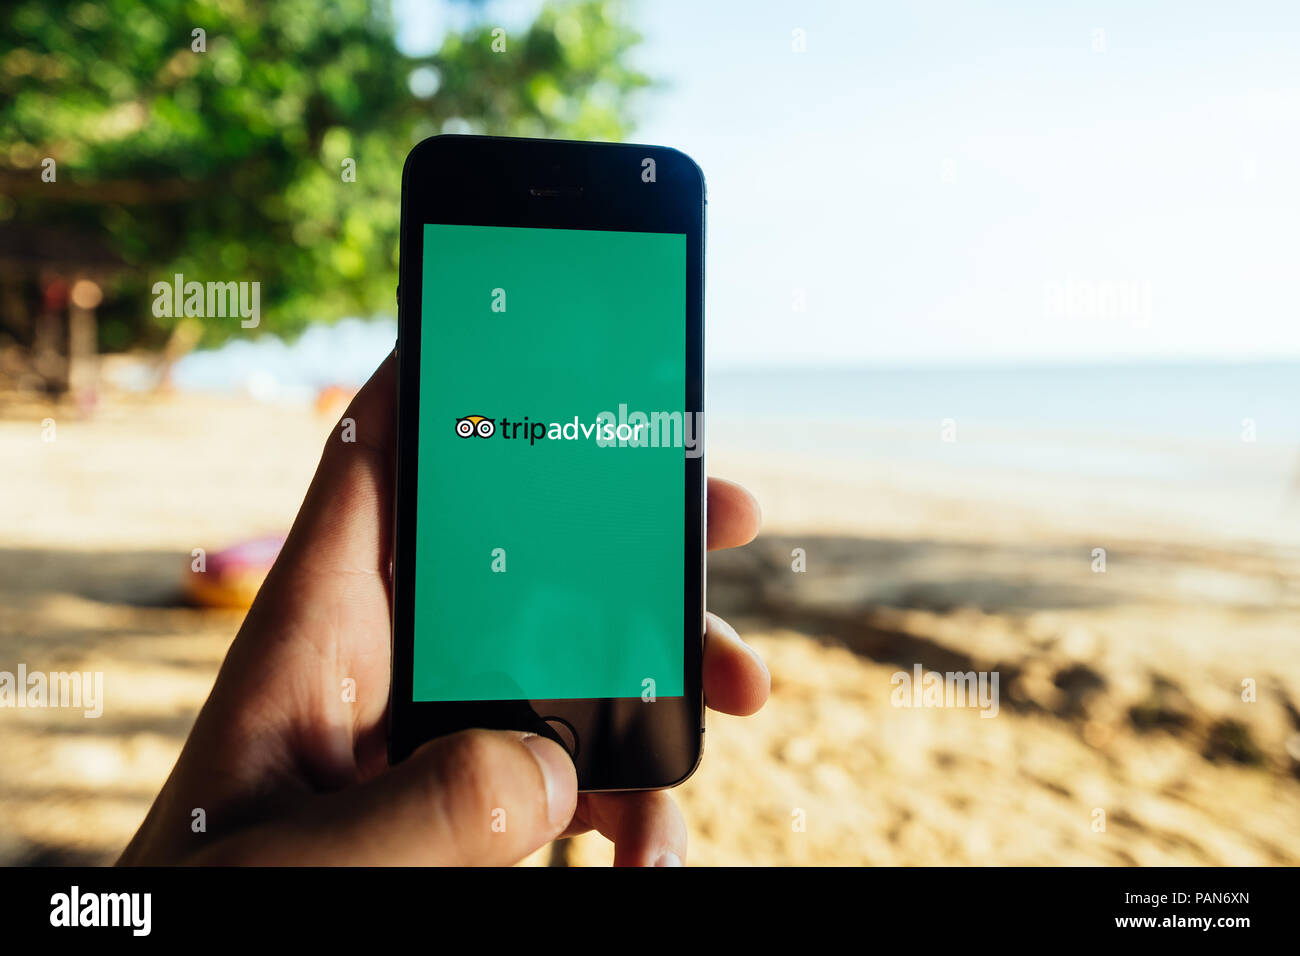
549	567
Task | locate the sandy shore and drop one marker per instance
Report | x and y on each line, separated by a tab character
1120	692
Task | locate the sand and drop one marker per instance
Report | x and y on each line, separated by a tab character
1121	735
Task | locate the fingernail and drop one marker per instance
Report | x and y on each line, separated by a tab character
669	858
558	775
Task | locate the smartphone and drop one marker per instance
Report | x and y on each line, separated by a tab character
548	550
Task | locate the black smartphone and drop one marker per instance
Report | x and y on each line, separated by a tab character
548	556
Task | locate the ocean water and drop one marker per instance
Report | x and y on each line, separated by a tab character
344	353
1204	401
1216	424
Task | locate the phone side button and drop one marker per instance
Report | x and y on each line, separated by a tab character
564	732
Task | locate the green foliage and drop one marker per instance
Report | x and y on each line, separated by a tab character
227	164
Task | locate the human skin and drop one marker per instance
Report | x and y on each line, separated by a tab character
288	772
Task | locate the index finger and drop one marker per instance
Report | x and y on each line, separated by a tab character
734	515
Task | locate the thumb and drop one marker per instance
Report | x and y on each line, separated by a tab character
479	797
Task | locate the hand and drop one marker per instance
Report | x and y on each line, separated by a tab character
287	772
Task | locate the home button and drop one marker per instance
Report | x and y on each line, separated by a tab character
563	732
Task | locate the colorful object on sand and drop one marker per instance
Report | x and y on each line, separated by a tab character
232	575
332	400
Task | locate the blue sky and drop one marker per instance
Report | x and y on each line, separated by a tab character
980	183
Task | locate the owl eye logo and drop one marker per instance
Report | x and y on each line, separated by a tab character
475	425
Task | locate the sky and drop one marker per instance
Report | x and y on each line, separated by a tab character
979	183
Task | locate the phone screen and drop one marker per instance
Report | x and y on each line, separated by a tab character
553	439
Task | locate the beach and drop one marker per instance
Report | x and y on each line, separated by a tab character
1148	711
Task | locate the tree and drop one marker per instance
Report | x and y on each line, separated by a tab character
263	139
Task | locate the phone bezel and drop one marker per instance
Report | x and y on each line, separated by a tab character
623	743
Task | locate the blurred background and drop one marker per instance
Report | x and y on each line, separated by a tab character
1001	330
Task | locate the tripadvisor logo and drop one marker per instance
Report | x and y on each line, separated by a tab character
604	432
624	430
